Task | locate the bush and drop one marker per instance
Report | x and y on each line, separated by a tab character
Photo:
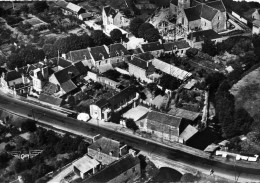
131	124
29	126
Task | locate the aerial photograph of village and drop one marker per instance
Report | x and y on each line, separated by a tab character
129	91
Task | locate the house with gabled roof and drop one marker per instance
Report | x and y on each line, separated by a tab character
104	108
195	15
177	47
155	48
163	125
118	53
82	55
141	67
115	17
69	8
106	150
126	169
100	55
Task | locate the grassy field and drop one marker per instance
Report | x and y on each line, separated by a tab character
247	92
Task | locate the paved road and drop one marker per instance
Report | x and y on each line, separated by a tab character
61	121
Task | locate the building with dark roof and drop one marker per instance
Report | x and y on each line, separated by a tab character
163	125
118	53
82	55
126	169
141	67
107	150
195	15
100	55
177	47
111	16
155	48
104	108
69	8
50	99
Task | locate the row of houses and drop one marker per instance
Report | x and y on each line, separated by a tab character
107	160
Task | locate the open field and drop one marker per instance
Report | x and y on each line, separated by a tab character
247	92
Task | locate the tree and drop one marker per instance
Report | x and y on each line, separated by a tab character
209	47
29	125
152	35
242	121
169	82
134	26
131	124
83	147
142	28
40	6
24	8
100	38
116	35
27	177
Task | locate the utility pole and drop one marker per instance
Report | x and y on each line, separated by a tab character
58	59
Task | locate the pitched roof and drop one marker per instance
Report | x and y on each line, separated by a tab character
73	7
98	52
50	99
49	88
81	68
193	13
164	118
145	56
62	4
101	103
113	170
117	50
86	15
182	113
219	5
64	74
179	44
68	86
208	12
200	35
60	61
139	63
110	11
154	46
121	96
79	55
12	75
85	164
106	145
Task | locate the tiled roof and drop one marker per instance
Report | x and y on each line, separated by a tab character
182	113
62	4
113	170
81	68
79	55
208	13
85	164
50	99
217	5
64	74
50	88
117	50
193	13
98	52
106	146
68	86
145	56
201	35
120	97
101	103
110	11
12	75
179	44
154	46
62	62
73	7
139	63
164	118
86	15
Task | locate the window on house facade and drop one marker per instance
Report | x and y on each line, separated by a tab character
218	25
182	20
205	23
218	18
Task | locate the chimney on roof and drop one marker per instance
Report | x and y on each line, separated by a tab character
63	55
160	41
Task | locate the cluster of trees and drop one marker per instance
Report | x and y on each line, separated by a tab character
131	124
23	55
240	7
116	35
169	82
233	121
144	30
69	43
